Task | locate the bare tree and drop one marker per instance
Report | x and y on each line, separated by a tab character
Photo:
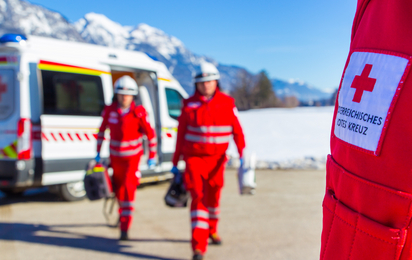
243	91
254	91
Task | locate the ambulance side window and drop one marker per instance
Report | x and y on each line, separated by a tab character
174	103
72	94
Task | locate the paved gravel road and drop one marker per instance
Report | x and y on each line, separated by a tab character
282	221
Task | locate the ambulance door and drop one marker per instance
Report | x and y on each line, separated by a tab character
171	96
149	99
74	96
9	119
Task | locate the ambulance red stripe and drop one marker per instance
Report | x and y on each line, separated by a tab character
43	62
55	139
62	137
78	137
70	136
44	137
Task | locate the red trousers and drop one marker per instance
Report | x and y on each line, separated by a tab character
125	182
204	180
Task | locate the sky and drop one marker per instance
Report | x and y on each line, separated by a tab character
305	40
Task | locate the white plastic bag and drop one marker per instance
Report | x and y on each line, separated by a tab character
247	176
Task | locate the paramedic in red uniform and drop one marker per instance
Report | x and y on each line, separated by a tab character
127	123
206	125
367	207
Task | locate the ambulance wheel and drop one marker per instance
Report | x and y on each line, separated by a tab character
16	192
72	191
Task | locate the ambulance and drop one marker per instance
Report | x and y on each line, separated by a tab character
52	93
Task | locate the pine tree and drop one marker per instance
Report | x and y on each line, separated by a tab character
264	96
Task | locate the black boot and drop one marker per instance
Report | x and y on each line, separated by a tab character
124	236
197	255
215	239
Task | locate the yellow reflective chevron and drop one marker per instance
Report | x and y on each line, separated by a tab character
169	129
98	169
10	151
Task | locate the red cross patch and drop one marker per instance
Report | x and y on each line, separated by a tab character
370	86
363	83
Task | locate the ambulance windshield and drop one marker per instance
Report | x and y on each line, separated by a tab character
6	93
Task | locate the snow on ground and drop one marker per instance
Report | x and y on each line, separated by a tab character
287	137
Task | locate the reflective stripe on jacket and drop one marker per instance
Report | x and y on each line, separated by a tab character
126	131
207	126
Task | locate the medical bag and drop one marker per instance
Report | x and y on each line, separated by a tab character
247	176
176	195
97	181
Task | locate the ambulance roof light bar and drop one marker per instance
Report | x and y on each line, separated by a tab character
12	37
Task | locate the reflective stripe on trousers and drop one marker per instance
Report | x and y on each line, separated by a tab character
126	213
199	214
126	208
213	212
125	204
200	219
202	224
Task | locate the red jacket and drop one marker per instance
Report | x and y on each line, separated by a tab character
126	131
206	126
367	207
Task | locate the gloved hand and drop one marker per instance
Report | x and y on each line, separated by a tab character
242	162
97	158
177	174
151	162
175	170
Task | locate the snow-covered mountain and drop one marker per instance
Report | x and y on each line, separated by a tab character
301	90
20	16
98	29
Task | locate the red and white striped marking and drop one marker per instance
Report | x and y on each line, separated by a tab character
60	136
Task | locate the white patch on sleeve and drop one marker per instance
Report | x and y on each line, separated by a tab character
236	112
370	85
113	119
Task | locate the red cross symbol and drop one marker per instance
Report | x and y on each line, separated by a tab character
3	88
363	83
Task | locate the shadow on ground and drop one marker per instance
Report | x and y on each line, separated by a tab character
48	235
43	195
31	195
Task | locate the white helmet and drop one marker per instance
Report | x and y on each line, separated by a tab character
126	86
206	72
